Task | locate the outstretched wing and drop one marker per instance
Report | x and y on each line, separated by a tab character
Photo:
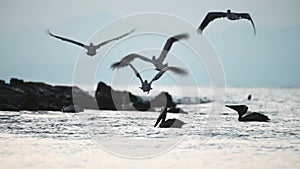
169	44
127	59
173	69
177	70
113	39
65	39
158	75
136	72
208	18
247	16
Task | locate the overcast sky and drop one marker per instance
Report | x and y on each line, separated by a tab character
269	59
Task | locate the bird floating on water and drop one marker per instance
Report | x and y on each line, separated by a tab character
170	123
91	48
250	116
229	15
157	62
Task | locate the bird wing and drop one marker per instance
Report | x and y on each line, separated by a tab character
127	59
65	39
247	16
158	75
113	39
177	70
136	72
169	44
208	18
173	69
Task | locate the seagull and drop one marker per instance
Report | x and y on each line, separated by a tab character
91	48
229	15
146	86
170	123
242	110
157	62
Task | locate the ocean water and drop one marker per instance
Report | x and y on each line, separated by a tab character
212	138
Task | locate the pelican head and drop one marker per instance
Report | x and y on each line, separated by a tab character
91	44
146	81
228	11
153	57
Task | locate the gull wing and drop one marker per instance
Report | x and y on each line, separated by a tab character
127	59
247	16
113	39
177	70
65	39
169	44
136	72
210	17
173	69
158	75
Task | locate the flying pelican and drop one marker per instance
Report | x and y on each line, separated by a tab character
229	15
91	49
157	62
170	123
146	86
242	110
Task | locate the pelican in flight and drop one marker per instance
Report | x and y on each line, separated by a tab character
157	62
170	123
229	15
146	86
91	48
242	110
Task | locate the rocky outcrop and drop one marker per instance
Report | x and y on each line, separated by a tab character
19	95
110	99
33	96
164	99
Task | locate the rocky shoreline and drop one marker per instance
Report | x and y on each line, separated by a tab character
19	95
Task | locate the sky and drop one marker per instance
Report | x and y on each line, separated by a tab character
269	59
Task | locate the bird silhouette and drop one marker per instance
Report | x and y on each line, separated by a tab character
157	62
229	15
91	48
250	116
145	85
170	123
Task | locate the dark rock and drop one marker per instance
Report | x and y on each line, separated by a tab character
72	109
139	103
110	99
176	110
15	81
164	99
33	96
2	82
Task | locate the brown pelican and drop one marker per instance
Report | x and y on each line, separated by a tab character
229	15
170	123
146	86
91	48
242	110
157	62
